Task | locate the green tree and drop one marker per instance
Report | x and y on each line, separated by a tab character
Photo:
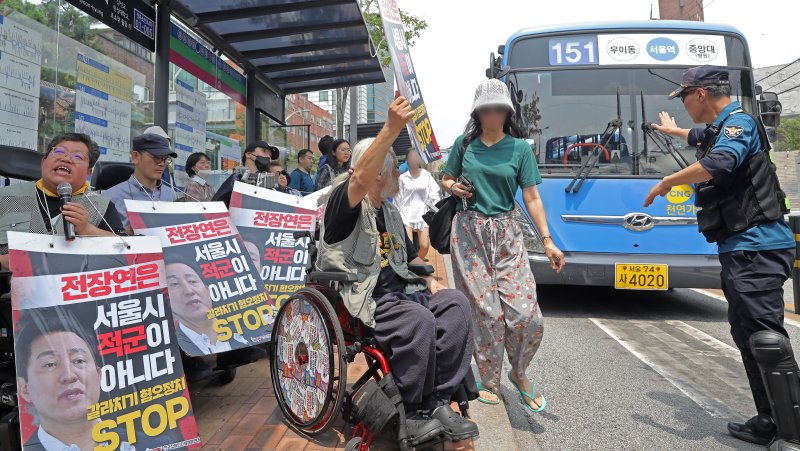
789	134
412	25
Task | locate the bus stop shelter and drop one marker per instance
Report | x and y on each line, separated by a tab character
285	47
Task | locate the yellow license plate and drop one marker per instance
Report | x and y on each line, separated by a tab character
639	276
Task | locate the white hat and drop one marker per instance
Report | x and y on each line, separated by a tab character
156	130
492	92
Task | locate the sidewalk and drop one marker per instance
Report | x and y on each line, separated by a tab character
244	414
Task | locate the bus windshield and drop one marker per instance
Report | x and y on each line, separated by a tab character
565	112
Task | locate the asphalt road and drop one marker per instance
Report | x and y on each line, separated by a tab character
628	370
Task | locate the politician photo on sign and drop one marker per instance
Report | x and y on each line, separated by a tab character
191	301
58	367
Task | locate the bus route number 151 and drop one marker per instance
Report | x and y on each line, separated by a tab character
574	50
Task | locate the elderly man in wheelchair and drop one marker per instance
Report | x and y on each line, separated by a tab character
423	329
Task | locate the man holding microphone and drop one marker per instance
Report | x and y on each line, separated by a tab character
35	207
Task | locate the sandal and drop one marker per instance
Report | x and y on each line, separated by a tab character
484	400
531	396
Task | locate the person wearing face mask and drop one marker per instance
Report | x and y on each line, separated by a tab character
34	207
197	189
256	158
150	156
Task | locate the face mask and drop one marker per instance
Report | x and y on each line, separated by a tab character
262	164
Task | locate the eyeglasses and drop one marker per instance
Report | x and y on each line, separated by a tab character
61	152
160	158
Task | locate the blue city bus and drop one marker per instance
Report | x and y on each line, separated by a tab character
584	95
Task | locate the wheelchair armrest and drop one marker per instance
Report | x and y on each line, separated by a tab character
332	276
421	270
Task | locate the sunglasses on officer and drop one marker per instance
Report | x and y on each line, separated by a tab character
685	93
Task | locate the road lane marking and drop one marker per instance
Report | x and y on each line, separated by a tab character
724	348
703	368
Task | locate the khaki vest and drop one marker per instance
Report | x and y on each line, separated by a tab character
19	211
359	253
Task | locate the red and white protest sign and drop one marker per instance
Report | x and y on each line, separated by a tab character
97	355
216	292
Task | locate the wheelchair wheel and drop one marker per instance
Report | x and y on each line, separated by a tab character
308	368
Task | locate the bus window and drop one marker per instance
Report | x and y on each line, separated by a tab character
563	108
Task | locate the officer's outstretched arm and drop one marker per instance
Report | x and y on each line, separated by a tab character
695	173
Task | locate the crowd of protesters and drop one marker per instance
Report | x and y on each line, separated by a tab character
370	208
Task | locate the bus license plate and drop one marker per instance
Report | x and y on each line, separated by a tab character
637	276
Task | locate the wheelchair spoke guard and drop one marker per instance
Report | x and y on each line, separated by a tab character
308	369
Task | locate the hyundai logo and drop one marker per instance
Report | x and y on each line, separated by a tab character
638	222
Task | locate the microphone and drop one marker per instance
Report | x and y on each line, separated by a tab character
64	191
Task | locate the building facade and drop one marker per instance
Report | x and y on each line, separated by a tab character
681	10
306	122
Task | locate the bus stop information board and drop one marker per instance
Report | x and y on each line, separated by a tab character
419	128
133	18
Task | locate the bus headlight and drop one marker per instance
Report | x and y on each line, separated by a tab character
529	235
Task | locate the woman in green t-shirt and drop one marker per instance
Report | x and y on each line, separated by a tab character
489	257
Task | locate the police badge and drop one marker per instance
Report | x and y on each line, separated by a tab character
733	131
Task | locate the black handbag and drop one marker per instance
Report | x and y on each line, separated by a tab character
440	220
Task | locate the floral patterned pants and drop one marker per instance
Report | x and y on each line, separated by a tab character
491	268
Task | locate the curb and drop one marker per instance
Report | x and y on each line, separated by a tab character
497	434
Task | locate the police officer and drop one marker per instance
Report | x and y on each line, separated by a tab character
740	207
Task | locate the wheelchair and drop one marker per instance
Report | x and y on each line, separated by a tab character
314	338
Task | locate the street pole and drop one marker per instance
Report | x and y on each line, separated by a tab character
353	135
161	90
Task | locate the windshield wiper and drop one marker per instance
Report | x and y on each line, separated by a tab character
663	143
613	127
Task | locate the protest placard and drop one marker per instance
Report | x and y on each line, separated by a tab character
419	127
216	293
96	351
268	221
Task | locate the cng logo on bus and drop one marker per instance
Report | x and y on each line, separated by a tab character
662	49
680	194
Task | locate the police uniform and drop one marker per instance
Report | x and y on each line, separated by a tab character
741	209
755	262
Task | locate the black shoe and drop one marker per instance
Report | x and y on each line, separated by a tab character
241	356
423	430
196	369
455	426
759	430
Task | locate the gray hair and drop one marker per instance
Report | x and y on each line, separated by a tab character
717	91
358	151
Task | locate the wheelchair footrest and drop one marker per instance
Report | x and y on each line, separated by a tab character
372	407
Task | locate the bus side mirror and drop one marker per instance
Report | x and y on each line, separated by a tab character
492	70
770	109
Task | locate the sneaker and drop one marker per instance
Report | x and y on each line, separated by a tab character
455	426
759	430
424	429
